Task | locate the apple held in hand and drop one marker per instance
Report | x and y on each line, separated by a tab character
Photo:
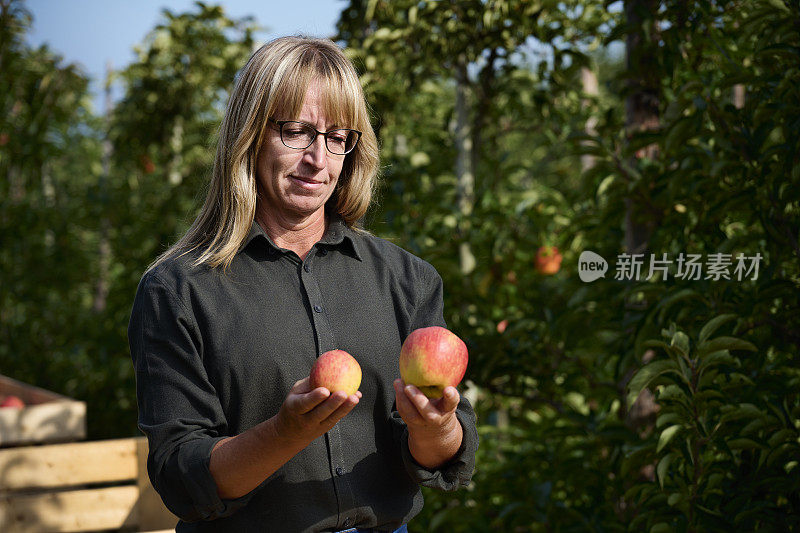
433	358
336	370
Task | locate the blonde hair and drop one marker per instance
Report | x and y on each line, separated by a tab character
275	80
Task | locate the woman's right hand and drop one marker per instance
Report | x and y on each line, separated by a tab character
307	413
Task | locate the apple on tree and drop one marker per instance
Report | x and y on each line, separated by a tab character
548	260
336	370
433	358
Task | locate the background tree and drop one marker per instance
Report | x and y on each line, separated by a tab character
59	203
49	161
560	365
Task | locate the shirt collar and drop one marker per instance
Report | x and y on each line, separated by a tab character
338	235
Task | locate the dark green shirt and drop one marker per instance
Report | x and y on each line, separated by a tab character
216	353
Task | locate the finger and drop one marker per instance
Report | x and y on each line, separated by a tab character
324	409
449	400
302	386
307	402
418	399
341	411
407	410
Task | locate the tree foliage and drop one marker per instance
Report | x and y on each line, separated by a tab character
66	194
554	379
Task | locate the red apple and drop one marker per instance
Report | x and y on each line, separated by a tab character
336	370
548	260
147	164
433	358
13	402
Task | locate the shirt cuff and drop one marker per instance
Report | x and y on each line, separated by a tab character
454	474
194	458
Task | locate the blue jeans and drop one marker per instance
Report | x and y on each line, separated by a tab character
401	529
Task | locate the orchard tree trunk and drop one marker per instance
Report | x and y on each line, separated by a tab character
104	247
641	114
641	108
464	173
176	149
590	88
738	96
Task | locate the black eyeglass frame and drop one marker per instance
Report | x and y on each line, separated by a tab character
281	123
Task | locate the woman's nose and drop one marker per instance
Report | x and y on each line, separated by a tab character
316	154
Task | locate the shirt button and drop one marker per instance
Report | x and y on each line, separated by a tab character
339	472
307	268
318	308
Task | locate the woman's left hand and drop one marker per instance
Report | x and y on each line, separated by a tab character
434	432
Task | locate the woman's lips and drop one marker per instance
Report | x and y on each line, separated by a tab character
306	183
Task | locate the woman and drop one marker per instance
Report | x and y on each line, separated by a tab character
274	272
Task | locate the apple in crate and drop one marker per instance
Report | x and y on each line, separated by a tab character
433	358
336	370
13	402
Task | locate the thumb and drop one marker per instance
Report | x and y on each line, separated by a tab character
450	399
302	386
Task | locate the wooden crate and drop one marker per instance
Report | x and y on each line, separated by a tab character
46	417
85	486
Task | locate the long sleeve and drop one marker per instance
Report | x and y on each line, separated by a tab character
179	410
458	471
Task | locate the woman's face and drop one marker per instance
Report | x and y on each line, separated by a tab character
295	184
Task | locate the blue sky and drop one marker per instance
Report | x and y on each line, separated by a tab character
92	32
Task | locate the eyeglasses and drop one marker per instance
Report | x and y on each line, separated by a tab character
299	136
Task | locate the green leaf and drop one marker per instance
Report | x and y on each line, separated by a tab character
679	133
724	343
722	357
663	468
667	436
668	418
674	393
713	325
745	410
661	527
743	444
653	343
681	341
645	375
781	436
674	498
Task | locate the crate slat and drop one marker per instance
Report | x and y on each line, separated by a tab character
65	465
79	510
